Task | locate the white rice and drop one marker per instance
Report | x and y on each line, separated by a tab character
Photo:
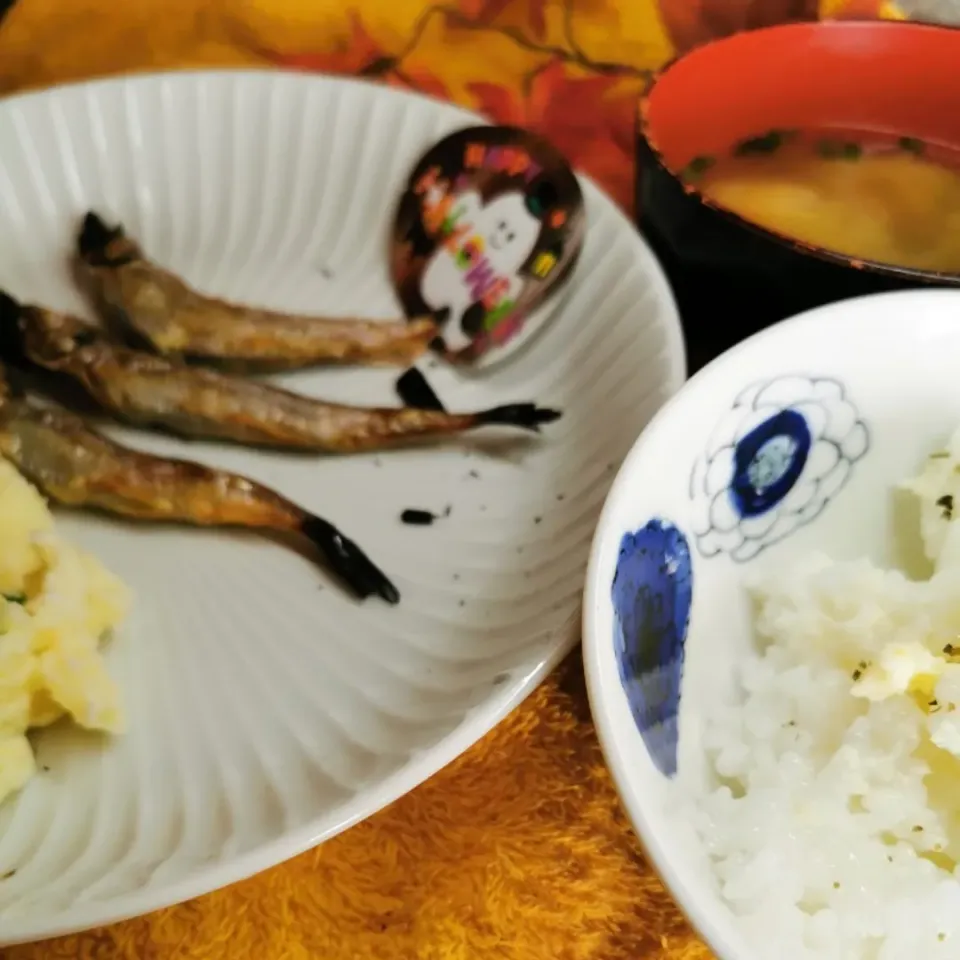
835	831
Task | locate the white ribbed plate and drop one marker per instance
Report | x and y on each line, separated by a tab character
268	711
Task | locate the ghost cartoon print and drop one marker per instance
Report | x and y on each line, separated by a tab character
475	279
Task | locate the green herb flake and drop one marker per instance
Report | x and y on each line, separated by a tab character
939	455
839	150
949	649
946	506
765	143
696	168
917	828
15	597
911	144
857	674
9	874
941	937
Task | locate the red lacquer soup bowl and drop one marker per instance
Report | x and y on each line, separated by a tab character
730	276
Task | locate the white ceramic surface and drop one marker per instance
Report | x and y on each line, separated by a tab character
267	710
815	419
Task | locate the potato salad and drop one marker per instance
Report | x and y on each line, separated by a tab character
57	605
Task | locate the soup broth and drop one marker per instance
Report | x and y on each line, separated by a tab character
886	199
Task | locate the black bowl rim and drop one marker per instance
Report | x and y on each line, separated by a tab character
780	239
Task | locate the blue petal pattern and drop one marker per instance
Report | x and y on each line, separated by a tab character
768	461
775	461
652	592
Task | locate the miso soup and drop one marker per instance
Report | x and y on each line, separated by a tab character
886	199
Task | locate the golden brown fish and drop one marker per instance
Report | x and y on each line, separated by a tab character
76	466
150	390
176	320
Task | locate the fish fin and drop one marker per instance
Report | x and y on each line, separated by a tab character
348	561
526	415
415	391
11	337
95	238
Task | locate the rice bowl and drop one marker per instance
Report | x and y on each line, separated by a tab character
772	637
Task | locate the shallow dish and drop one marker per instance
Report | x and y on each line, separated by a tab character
267	710
731	276
790	442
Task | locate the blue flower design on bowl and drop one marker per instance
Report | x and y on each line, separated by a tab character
652	592
782	453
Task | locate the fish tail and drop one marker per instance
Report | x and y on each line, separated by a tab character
348	561
416	392
526	415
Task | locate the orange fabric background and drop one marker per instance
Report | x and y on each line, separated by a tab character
519	850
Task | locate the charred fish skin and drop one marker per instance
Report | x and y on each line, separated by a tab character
176	320
148	390
78	467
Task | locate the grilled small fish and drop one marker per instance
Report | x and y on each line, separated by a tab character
154	391
78	467
177	320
